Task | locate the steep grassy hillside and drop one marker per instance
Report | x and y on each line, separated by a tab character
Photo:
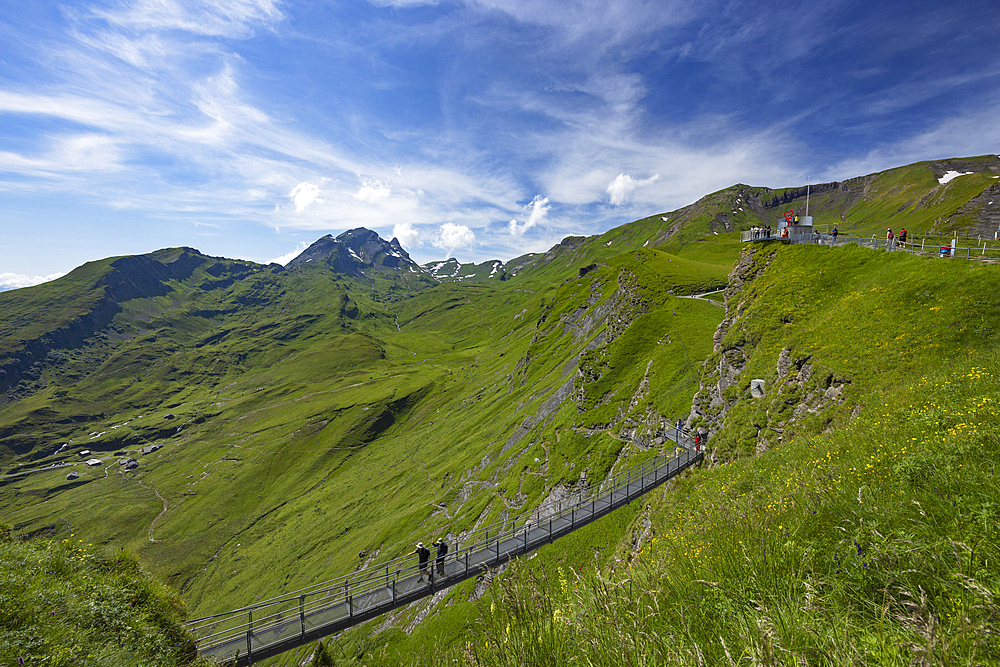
851	515
65	603
910	196
353	404
306	416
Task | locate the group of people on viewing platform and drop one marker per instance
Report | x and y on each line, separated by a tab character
764	232
890	241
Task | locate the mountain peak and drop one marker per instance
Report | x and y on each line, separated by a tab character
357	252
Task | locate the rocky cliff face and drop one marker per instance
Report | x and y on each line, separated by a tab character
773	411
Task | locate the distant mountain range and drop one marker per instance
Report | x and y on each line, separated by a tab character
354	401
944	196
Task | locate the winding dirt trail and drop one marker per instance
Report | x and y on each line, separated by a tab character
152	524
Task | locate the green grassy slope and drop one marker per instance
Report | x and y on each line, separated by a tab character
306	417
65	603
909	196
864	532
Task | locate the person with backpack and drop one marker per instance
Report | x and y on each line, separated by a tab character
442	547
902	236
833	233
889	239
423	555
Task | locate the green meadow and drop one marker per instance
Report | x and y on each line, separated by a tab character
871	539
305	417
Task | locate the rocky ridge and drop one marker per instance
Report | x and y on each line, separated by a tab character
800	389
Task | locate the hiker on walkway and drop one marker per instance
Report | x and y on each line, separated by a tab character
834	235
888	239
423	555
697	443
902	236
442	550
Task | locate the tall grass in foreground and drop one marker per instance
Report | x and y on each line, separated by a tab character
874	545
62	604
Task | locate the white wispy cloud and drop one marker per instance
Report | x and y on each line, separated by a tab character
188	111
965	133
622	187
218	18
537	210
372	190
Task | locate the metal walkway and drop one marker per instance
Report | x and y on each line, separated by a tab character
265	629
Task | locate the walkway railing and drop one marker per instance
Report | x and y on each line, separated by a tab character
265	629
917	246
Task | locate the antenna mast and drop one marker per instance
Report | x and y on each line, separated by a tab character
808	178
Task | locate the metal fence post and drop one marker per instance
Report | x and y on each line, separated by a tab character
249	635
394	587
466	563
302	614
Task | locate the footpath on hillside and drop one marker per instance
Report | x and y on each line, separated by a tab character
265	629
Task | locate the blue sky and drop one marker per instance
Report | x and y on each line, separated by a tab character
478	129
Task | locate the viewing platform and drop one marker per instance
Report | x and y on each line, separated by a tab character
970	247
790	229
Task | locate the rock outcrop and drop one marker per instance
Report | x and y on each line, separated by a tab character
744	420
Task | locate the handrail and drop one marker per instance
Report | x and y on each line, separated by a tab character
985	252
496	528
378	588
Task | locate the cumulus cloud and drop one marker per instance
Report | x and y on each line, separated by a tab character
622	187
406	234
537	210
304	194
10	281
289	256
452	236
